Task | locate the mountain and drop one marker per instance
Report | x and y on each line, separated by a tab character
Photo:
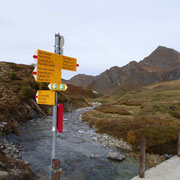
81	80
161	65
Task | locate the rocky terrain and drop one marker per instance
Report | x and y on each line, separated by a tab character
17	105
161	65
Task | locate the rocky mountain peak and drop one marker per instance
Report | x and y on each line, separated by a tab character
161	65
162	58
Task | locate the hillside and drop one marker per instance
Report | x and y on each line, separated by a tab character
81	80
17	104
161	65
152	111
17	96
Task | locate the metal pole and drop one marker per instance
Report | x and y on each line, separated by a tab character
54	128
55	175
57	43
142	157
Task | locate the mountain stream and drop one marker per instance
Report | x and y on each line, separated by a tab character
81	157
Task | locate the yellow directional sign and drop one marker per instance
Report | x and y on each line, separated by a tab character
69	63
49	66
45	97
47	59
48	74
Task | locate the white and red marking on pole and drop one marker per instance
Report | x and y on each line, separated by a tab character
34	73
37	96
60	118
35	56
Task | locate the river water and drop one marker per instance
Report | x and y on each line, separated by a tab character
81	157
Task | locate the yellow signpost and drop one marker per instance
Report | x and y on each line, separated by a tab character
48	59
68	63
45	97
48	74
57	61
49	66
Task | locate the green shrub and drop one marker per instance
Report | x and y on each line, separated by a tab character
28	92
12	76
34	84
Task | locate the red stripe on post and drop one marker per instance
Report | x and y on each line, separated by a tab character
34	56
77	65
60	118
36	96
34	73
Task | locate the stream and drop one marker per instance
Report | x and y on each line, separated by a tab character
81	157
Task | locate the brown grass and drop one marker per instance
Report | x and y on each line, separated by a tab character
176	114
112	110
152	112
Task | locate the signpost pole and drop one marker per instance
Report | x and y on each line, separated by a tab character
54	128
49	66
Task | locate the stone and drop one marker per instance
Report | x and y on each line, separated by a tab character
4	175
167	156
115	156
107	140
2	165
94	156
80	131
26	162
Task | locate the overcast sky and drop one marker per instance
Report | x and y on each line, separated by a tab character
99	33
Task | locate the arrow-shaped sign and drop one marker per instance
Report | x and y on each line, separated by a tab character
37	97
45	97
57	87
34	73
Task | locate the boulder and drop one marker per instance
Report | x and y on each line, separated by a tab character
4	175
116	156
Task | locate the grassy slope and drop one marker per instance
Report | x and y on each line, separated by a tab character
17	96
152	111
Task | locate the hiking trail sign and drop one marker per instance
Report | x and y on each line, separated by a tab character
45	97
57	87
49	66
48	69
